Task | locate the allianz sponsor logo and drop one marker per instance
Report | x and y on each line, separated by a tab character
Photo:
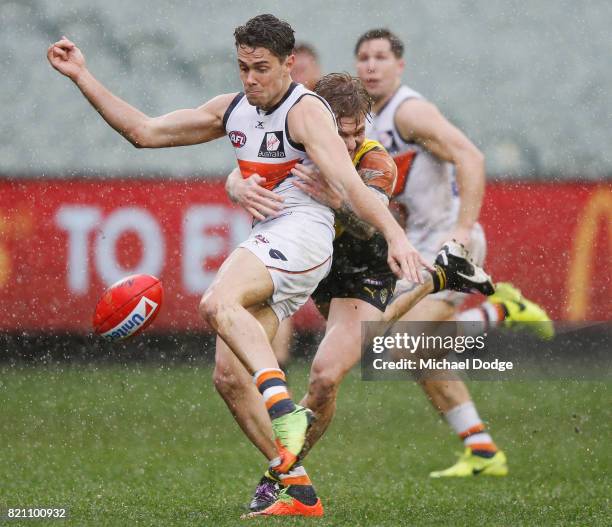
143	311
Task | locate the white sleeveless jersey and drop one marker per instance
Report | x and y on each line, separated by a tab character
263	146
426	185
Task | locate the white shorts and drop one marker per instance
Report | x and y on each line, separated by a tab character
297	250
429	251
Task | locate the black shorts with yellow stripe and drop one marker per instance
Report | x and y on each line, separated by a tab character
359	270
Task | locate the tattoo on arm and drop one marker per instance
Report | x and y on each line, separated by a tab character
356	226
368	174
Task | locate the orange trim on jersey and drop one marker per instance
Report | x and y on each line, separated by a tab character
298	272
404	164
472	430
274	374
273	173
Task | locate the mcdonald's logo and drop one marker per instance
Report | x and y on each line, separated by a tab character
596	212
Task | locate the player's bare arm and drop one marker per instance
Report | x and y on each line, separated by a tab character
251	196
179	128
422	122
311	182
311	124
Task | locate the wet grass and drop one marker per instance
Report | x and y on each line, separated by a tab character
156	446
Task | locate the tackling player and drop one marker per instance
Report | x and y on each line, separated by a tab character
273	125
358	287
440	187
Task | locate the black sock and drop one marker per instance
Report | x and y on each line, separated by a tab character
303	493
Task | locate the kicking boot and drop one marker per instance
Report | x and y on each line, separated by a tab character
288	505
265	494
457	272
290	435
470	464
522	313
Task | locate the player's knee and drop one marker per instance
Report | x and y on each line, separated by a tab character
207	307
214	309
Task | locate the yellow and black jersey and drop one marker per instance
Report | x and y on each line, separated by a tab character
359	267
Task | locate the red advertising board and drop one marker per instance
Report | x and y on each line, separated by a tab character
63	241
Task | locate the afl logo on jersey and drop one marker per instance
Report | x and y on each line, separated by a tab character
238	139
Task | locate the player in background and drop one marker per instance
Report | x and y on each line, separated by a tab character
274	124
441	179
306	69
358	287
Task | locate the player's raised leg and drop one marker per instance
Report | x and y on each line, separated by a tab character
453	271
243	282
236	387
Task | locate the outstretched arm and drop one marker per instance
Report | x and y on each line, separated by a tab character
422	122
179	128
311	124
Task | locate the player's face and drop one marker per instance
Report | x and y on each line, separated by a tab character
352	132
264	76
378	68
306	70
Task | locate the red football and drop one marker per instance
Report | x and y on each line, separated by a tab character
128	306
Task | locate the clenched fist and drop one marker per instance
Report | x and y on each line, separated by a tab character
66	58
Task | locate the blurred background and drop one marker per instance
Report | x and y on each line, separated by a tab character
80	207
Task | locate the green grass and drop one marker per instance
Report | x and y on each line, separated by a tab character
156	446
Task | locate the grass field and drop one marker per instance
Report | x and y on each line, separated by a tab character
156	446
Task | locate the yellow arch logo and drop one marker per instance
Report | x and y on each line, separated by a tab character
5	261
598	208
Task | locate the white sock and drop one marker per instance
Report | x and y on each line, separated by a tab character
466	423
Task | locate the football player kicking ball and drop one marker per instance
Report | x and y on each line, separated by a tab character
274	124
358	288
440	187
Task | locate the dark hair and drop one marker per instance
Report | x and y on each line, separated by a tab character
346	95
303	47
266	31
397	46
